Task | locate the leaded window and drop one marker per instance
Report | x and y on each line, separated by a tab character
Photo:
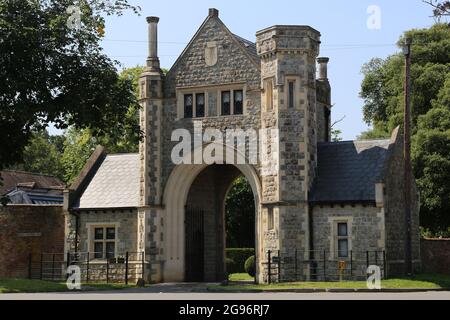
226	103
199	105
238	102
188	105
104	242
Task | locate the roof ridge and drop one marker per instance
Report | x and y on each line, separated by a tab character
123	154
29	173
352	141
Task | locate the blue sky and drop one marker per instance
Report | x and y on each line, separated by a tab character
346	39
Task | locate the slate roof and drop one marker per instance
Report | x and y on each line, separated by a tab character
12	179
348	171
249	46
114	185
36	197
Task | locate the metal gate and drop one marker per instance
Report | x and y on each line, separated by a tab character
194	255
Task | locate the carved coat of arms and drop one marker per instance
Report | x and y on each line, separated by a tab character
211	54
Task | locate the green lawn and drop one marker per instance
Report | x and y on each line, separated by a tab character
417	282
25	285
240	277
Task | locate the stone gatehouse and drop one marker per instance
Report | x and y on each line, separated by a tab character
319	196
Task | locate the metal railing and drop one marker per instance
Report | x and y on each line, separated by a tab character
120	268
321	265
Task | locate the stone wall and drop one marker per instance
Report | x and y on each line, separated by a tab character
366	233
233	67
126	221
395	212
28	230
435	255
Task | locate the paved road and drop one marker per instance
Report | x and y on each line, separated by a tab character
227	296
198	292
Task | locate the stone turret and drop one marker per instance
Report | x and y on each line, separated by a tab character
288	79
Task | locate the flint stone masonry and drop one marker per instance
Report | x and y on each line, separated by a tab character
312	180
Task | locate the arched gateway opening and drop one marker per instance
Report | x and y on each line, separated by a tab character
194	224
205	224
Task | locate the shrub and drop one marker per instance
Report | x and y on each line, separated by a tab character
232	266
239	256
250	266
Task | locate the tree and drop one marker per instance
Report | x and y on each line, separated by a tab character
42	155
240	215
336	135
440	8
431	158
80	143
383	94
382	86
78	147
53	70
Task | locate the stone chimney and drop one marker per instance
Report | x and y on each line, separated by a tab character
213	12
323	68
153	60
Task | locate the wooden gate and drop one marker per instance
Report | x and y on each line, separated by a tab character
194	254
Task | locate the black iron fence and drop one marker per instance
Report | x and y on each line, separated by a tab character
321	265
121	268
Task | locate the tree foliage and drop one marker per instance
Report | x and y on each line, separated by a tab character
43	154
80	143
52	73
383	92
65	155
441	8
240	215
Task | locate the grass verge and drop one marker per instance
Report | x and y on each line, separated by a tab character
32	286
423	281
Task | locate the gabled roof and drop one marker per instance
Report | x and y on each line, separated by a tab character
115	184
248	47
348	171
11	179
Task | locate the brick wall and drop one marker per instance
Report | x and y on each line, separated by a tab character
25	230
435	255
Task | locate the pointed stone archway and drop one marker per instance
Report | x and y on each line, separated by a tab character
180	192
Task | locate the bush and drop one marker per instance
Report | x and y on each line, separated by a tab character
232	266
250	266
239	256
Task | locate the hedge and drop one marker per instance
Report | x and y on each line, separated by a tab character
236	258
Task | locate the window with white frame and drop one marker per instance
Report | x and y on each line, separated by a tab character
342	240
104	241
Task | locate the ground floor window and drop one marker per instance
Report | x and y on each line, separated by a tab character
342	239
104	242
